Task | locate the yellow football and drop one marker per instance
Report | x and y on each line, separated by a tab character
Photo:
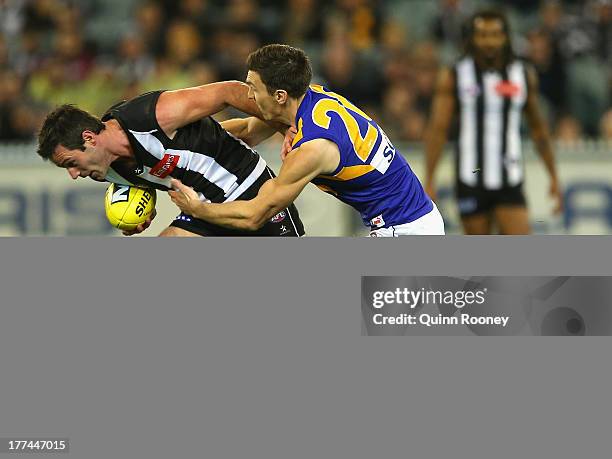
128	206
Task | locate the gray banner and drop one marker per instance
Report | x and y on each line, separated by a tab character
487	305
242	348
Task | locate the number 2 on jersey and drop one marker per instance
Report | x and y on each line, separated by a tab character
363	146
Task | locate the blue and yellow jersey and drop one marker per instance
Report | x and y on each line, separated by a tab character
371	177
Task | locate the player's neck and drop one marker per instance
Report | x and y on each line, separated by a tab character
489	64
116	141
289	114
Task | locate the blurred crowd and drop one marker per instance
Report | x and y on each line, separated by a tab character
383	55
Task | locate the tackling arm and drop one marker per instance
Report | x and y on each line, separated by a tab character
300	167
541	137
251	130
437	129
178	108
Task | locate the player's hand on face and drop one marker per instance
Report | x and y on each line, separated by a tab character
143	226
289	136
183	196
557	195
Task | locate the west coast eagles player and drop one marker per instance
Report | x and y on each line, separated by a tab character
337	146
163	134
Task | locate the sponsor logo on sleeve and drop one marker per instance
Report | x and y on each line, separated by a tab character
165	167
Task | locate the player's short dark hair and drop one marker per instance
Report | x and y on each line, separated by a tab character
64	126
488	14
282	67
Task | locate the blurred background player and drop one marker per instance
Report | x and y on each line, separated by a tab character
337	147
489	89
163	134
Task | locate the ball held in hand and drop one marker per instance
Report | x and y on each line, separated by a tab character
128	206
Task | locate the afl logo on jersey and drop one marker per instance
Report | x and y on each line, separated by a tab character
279	217
377	221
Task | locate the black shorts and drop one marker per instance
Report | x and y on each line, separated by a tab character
286	223
476	200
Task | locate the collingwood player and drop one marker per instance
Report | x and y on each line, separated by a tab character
489	89
161	135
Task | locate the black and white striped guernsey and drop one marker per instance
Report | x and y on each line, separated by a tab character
202	154
490	104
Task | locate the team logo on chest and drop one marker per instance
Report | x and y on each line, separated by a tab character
165	167
507	89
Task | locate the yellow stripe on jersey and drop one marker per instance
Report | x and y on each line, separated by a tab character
343	100
327	189
299	134
363	145
349	172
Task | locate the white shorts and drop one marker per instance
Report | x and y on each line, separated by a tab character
430	224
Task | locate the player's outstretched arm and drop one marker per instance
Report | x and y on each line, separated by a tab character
183	106
250	130
437	129
541	137
300	167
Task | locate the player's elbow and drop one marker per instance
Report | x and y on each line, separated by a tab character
238	92
539	134
253	225
260	216
250	139
436	130
252	220
256	222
